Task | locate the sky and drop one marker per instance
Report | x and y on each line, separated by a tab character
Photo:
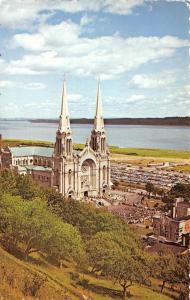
138	48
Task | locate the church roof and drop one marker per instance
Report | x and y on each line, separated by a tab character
32	150
38	168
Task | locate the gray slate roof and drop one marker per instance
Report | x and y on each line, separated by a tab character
32	150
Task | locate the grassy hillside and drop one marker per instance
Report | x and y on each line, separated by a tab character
42	231
137	152
157	153
59	284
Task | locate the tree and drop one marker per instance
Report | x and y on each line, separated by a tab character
165	265
7	182
180	190
88	219
20	185
102	251
65	242
30	223
160	192
149	188
126	270
181	275
27	188
119	258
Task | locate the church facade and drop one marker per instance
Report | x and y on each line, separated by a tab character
73	173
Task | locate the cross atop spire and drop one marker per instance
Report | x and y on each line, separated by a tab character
98	120
64	121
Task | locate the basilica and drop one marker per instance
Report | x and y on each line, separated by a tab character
73	173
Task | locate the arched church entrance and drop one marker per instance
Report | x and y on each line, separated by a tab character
88	177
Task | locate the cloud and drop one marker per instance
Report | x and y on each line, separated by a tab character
4	84
86	19
122	7
16	13
181	96
122	100
153	80
134	98
33	86
75	98
62	47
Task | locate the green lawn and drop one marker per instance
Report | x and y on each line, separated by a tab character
185	168
138	152
59	282
17	142
143	152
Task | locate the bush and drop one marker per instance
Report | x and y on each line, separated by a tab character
84	282
74	276
32	284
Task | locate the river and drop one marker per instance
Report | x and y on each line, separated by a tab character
137	136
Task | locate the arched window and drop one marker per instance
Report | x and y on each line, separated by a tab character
103	144
104	173
94	143
70	177
68	146
60	146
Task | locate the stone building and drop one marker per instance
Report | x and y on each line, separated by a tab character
174	228
73	173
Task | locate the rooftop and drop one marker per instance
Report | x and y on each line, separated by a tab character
39	168
35	168
35	150
31	151
185	218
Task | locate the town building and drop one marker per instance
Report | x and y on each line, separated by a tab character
174	228
73	173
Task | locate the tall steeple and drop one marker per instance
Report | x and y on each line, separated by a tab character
98	119
64	121
98	137
63	144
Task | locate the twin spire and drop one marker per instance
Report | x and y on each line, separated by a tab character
64	121
98	119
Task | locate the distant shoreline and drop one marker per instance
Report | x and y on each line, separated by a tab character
169	121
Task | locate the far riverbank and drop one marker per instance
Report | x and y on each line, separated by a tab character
168	121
